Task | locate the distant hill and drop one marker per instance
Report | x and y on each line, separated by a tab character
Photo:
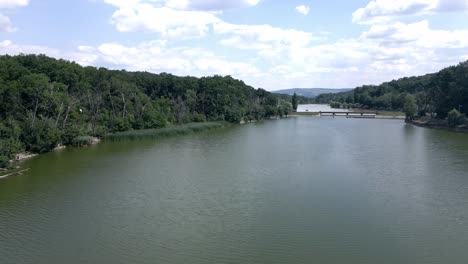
310	92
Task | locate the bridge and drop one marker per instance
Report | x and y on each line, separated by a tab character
350	114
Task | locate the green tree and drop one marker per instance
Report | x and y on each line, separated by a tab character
410	107
41	137
294	102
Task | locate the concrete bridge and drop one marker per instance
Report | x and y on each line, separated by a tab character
350	114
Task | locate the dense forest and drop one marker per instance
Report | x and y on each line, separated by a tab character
434	95
45	102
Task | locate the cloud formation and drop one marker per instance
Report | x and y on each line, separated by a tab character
171	20
382	53
303	9
166	21
212	5
6	25
378	11
5	22
4	4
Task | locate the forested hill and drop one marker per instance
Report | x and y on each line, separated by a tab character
435	94
45	102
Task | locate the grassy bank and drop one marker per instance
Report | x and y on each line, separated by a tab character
174	130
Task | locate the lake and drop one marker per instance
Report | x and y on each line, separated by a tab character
317	108
299	190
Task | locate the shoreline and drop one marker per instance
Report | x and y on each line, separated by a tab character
436	124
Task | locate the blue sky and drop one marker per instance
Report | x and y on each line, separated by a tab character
271	44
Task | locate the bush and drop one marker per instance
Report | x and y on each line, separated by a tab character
455	118
119	124
9	146
334	104
82	141
153	119
198	118
233	115
71	132
41	137
100	131
4	161
8	149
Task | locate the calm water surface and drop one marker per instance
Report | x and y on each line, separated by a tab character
301	190
317	108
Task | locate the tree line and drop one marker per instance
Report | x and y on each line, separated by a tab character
45	102
432	95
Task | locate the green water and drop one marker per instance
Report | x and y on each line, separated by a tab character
301	190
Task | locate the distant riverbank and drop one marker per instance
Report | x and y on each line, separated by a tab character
380	115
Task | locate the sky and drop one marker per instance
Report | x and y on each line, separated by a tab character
270	44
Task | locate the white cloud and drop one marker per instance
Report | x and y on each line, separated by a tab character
303	9
175	23
378	11
416	34
262	37
156	56
204	5
452	5
13	3
5	22
166	21
8	47
210	4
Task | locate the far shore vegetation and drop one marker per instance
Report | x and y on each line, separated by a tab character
45	103
174	130
439	99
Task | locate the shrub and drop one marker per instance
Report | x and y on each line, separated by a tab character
71	132
42	136
455	118
4	161
198	118
153	119
82	141
334	104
